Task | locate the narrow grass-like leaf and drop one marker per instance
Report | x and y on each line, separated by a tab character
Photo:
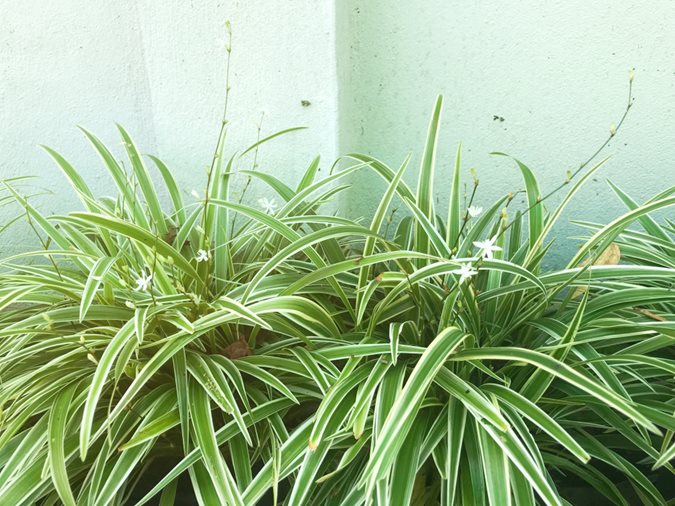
220	475
98	382
564	372
425	193
538	416
98	272
407	404
58	418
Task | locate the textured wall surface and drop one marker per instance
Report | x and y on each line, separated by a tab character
553	74
158	69
556	72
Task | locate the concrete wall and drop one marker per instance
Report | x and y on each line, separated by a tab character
556	72
158	68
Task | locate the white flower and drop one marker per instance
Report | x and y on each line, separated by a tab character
474	211
195	194
465	272
269	206
487	247
143	282
202	256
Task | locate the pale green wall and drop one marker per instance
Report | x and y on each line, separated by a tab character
556	71
157	68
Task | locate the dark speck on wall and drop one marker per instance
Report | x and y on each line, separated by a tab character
305	103
497	118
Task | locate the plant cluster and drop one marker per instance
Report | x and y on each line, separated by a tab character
282	354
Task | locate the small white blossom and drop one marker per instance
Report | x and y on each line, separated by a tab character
474	211
465	272
202	256
143	282
268	205
487	247
195	194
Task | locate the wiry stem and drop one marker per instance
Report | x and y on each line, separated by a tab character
221	138
612	133
466	214
254	165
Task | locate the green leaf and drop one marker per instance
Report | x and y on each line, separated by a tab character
518	455
537	384
121	181
144	182
539	417
98	381
405	466
152	429
407	404
375	225
425	193
58	418
454	224
94	280
172	186
325	413
220	475
314	457
665	457
564	372
141	235
610	231
269	138
456	423
309	175
496	469
536	207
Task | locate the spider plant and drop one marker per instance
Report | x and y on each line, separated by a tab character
299	357
121	352
650	244
471	377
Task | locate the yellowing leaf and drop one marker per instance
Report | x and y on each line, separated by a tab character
610	256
